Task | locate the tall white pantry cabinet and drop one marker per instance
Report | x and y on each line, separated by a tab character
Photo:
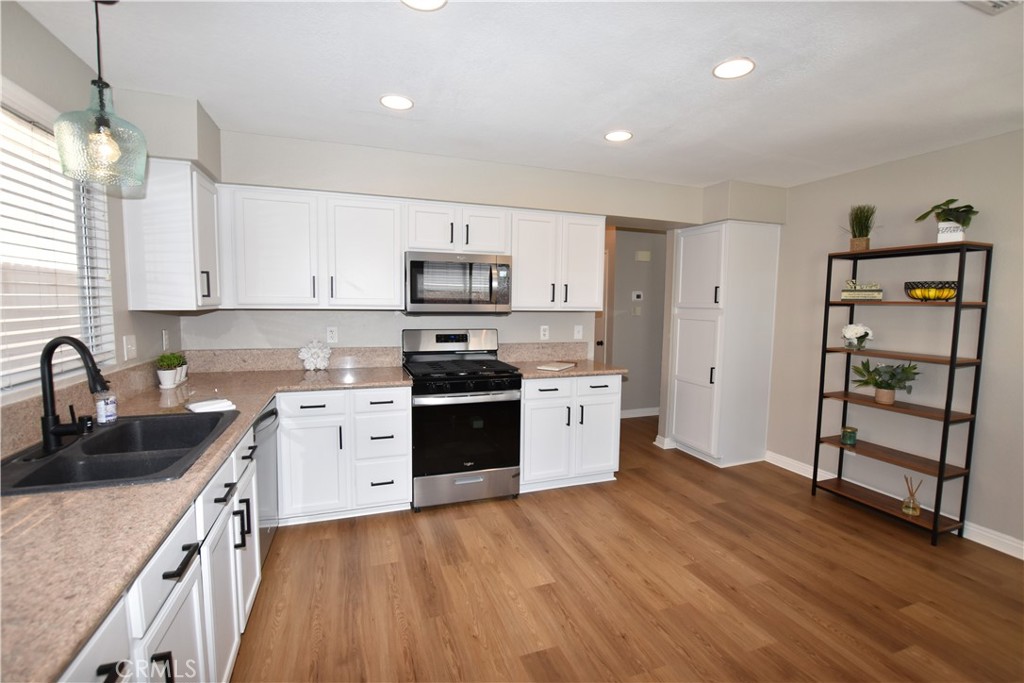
723	312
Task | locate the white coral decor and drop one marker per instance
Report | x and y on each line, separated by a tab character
857	331
315	355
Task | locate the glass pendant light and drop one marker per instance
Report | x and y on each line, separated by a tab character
96	145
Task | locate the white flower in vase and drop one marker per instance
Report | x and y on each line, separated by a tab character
856	335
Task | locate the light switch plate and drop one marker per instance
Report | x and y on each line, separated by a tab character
131	349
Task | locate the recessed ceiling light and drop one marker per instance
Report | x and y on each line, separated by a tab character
396	102
734	68
425	5
618	136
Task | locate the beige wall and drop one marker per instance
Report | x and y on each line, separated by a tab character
744	202
987	174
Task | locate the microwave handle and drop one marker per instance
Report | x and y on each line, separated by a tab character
494	280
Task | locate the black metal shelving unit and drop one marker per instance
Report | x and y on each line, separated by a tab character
938	467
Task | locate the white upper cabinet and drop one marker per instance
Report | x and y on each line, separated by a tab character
170	239
557	262
275	236
700	270
436	226
364	238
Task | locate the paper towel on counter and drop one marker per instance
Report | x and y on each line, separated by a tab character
211	405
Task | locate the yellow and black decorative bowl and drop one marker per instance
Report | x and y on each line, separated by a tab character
930	290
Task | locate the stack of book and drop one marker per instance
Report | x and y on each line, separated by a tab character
861	294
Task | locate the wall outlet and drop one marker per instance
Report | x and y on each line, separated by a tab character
131	349
165	340
577	332
545	333
332	334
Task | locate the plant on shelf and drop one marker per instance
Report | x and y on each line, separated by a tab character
952	220
886	379
862	220
856	335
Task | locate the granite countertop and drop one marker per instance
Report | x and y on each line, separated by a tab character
68	557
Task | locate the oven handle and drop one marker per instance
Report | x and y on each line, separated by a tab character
480	397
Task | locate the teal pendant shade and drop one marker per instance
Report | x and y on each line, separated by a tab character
97	146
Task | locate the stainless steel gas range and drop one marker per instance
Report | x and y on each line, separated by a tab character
465	416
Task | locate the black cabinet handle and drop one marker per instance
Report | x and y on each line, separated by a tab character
247	521
311	406
252	450
565	300
599	342
193	550
381	438
227	494
314	286
716	294
568	416
548	389
598	386
467	233
167	658
451	233
712	378
381	403
382	483
241	527
332	286
552	292
114	672
581	414
206	278
341	439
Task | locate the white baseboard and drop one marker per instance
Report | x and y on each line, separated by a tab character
640	412
973	532
665	442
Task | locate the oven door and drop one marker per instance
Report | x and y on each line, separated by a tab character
453	434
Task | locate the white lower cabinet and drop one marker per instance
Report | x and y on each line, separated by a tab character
245	532
109	651
343	453
173	648
570	431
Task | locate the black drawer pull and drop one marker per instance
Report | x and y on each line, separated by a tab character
549	389
382	483
114	672
241	527
168	661
381	438
382	403
247	522
252	450
193	550
598	386
227	494
313	405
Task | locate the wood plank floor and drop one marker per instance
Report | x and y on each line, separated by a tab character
678	571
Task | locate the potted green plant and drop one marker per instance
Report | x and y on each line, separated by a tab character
862	220
886	379
168	367
952	220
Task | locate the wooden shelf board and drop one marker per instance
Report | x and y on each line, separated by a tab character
903	355
892	456
903	407
913	250
921	304
886	504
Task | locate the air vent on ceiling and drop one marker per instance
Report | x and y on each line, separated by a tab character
992	7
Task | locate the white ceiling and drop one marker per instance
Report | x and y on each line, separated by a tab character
838	86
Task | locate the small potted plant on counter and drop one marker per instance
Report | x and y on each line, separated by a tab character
886	379
952	220
862	221
168	368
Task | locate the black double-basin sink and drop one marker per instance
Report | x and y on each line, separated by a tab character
133	450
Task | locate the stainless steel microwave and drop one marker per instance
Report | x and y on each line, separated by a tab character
437	282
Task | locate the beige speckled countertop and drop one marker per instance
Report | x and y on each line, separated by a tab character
68	557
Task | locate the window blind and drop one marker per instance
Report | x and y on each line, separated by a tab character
54	258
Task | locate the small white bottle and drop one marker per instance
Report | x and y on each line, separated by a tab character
106	407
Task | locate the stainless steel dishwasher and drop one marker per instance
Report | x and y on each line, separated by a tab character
265	437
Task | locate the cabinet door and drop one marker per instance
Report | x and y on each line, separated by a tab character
173	648
109	647
244	533
364	239
699	263
432	227
582	285
311	466
485	230
547	440
275	235
204	198
597	441
217	557
535	261
694	399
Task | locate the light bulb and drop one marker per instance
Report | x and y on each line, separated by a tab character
102	147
